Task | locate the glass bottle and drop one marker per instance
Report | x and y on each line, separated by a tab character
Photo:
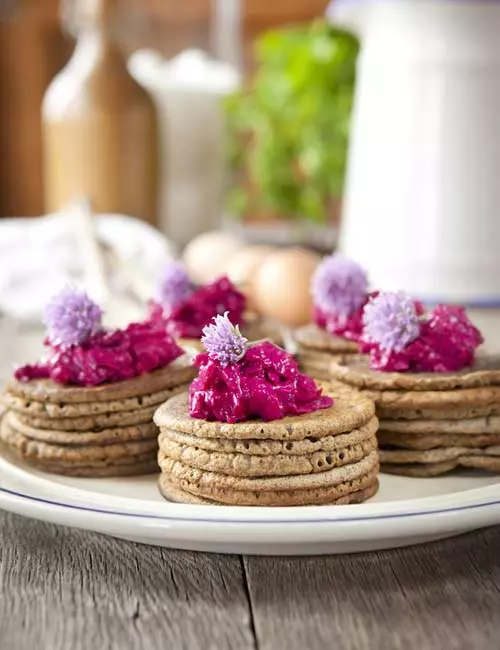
100	125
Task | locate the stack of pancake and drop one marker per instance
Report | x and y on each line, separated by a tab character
432	423
325	457
317	349
106	430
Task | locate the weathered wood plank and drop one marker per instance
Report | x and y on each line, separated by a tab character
63	589
444	595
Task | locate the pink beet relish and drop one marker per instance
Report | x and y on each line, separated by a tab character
188	318
446	343
266	384
350	327
107	356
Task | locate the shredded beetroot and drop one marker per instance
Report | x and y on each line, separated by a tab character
447	343
33	371
188	319
350	328
107	357
265	384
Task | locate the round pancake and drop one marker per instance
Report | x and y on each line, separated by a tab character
178	372
422	470
298	497
96	464
472	426
405	456
437	399
350	411
488	463
316	364
314	371
172	492
62	410
243	465
457	413
92	423
318	358
104	437
269	447
87	454
99	470
203	480
311	337
492	450
257	329
356	371
432	441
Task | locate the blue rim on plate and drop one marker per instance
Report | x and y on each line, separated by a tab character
396	515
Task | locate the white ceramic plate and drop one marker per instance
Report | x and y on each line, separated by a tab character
405	511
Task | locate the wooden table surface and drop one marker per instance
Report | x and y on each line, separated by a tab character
64	589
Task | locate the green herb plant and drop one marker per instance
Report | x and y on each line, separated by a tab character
289	132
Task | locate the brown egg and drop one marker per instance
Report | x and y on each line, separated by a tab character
281	285
243	266
207	255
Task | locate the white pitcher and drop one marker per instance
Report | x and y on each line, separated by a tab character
422	202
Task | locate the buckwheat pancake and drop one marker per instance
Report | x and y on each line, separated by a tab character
441	399
175	493
316	364
356	371
205	480
94	423
432	441
312	337
432	423
260	328
178	372
404	456
351	410
490	463
420	470
245	465
61	410
425	470
99	469
443	460
280	491
274	447
75	455
480	425
457	413
104	437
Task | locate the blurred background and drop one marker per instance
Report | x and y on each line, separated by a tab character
37	39
218	116
201	127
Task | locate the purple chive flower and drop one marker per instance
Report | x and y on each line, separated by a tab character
391	321
71	317
339	286
223	341
175	285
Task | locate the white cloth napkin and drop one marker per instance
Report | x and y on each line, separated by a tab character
39	256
